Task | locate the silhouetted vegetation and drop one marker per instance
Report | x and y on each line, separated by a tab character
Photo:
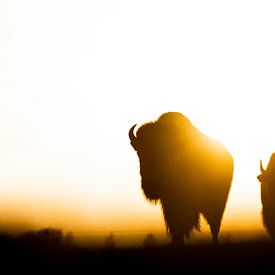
45	248
186	171
47	238
50	251
149	241
109	242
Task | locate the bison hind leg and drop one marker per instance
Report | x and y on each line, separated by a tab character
215	234
215	225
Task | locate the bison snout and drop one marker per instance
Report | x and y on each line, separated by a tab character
151	188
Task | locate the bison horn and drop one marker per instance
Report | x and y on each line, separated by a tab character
133	137
261	167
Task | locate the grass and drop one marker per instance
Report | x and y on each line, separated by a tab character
50	250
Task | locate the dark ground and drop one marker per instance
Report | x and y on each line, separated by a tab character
50	255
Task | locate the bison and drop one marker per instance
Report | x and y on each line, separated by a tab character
186	171
267	179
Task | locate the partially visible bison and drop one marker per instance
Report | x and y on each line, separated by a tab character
186	171
267	179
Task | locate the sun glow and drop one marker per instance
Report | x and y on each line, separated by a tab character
75	76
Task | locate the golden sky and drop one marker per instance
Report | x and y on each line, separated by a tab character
76	75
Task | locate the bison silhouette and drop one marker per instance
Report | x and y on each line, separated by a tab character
267	179
186	171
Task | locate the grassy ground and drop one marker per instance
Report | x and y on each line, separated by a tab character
51	251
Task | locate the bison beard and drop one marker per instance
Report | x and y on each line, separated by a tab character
186	171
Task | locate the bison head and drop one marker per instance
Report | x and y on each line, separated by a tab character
268	174
151	158
156	144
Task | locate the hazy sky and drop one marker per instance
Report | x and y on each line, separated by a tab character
76	75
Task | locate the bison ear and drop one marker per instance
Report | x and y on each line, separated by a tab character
261	178
132	137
